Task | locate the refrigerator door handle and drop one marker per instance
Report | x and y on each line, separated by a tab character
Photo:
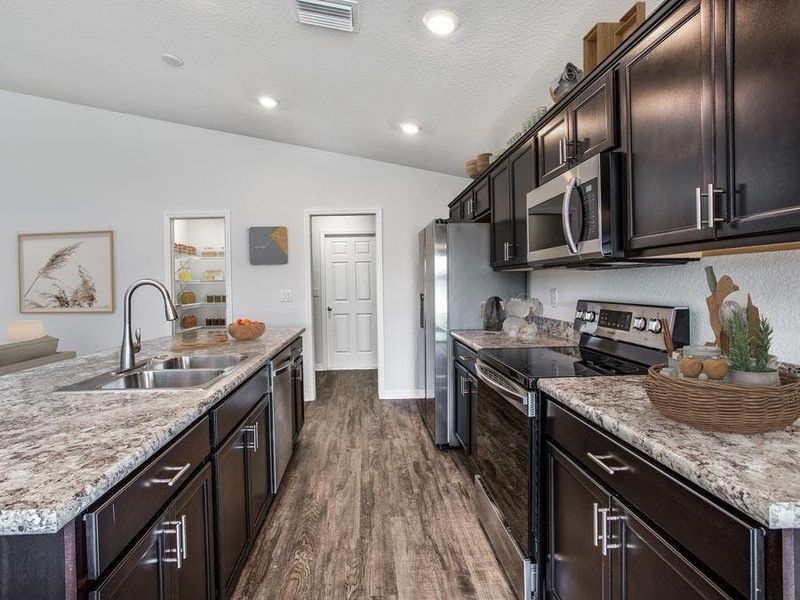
422	310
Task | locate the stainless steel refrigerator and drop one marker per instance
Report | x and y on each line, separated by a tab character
453	277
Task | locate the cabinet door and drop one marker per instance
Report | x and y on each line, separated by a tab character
550	142
480	199
462	409
258	467
593	119
763	115
669	131
523	179
194	578
233	525
502	216
299	398
577	569
142	573
648	567
455	212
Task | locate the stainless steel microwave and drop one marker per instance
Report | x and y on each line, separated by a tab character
575	218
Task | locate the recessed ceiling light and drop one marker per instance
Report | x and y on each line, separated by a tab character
441	22
172	60
409	128
268	101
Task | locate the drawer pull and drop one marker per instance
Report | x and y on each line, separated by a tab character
598	460
181	471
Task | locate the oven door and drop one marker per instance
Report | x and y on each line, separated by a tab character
504	475
565	216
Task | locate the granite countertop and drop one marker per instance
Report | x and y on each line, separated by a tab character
478	339
60	452
758	474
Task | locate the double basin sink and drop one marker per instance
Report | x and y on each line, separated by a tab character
173	373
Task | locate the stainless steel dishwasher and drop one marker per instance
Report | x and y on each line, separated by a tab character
283	428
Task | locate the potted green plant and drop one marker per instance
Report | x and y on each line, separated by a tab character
748	355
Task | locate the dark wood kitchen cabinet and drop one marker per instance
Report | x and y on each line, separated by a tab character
758	109
550	141
243	493
577	569
473	205
511	182
668	112
587	125
173	559
502	233
620	526
466	385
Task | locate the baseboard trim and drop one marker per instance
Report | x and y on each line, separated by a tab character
401	394
362	368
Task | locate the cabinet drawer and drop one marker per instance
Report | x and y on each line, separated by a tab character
111	526
236	406
698	524
466	356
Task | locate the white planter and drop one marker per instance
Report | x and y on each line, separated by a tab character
753	378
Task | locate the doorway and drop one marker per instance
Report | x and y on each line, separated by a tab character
344	291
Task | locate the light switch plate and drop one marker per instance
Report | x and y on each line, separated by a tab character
286	295
553	297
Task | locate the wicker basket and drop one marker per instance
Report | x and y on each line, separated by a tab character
712	406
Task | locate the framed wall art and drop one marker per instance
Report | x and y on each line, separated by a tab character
66	272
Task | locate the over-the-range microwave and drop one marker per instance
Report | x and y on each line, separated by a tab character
576	218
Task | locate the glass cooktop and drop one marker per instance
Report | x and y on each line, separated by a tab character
526	365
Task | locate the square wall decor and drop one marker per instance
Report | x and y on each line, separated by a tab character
269	245
66	272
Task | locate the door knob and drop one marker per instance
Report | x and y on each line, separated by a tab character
329	309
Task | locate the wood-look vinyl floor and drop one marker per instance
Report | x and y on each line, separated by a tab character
371	509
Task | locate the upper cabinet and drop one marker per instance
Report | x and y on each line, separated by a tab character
510	183
587	126
710	122
760	114
472	205
668	119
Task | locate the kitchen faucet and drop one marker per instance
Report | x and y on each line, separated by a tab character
127	354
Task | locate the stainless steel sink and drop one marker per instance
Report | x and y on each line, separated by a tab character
172	373
200	361
163	379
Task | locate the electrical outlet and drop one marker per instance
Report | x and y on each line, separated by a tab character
553	297
286	295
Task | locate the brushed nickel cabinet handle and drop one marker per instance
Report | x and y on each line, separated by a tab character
712	195
598	460
177	532
699	207
184	545
181	471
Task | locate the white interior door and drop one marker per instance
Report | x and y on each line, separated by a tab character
350	290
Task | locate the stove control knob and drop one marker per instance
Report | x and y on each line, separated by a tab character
579	315
639	323
588	316
654	326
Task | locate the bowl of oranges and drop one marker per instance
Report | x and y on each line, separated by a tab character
246	329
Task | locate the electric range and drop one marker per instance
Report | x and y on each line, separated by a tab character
614	339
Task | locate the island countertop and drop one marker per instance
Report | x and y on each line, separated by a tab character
757	474
60	452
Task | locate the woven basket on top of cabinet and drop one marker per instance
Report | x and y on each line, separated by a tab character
725	407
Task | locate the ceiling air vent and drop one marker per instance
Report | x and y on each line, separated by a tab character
333	14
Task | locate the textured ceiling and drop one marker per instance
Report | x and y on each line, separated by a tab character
341	92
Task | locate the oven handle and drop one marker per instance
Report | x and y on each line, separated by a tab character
515	394
573	247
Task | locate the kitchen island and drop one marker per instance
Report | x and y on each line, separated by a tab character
63	453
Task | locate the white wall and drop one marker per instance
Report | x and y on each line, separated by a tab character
772	279
329	224
67	167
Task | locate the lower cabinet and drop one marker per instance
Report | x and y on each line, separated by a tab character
174	558
463	395
598	548
242	491
577	569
